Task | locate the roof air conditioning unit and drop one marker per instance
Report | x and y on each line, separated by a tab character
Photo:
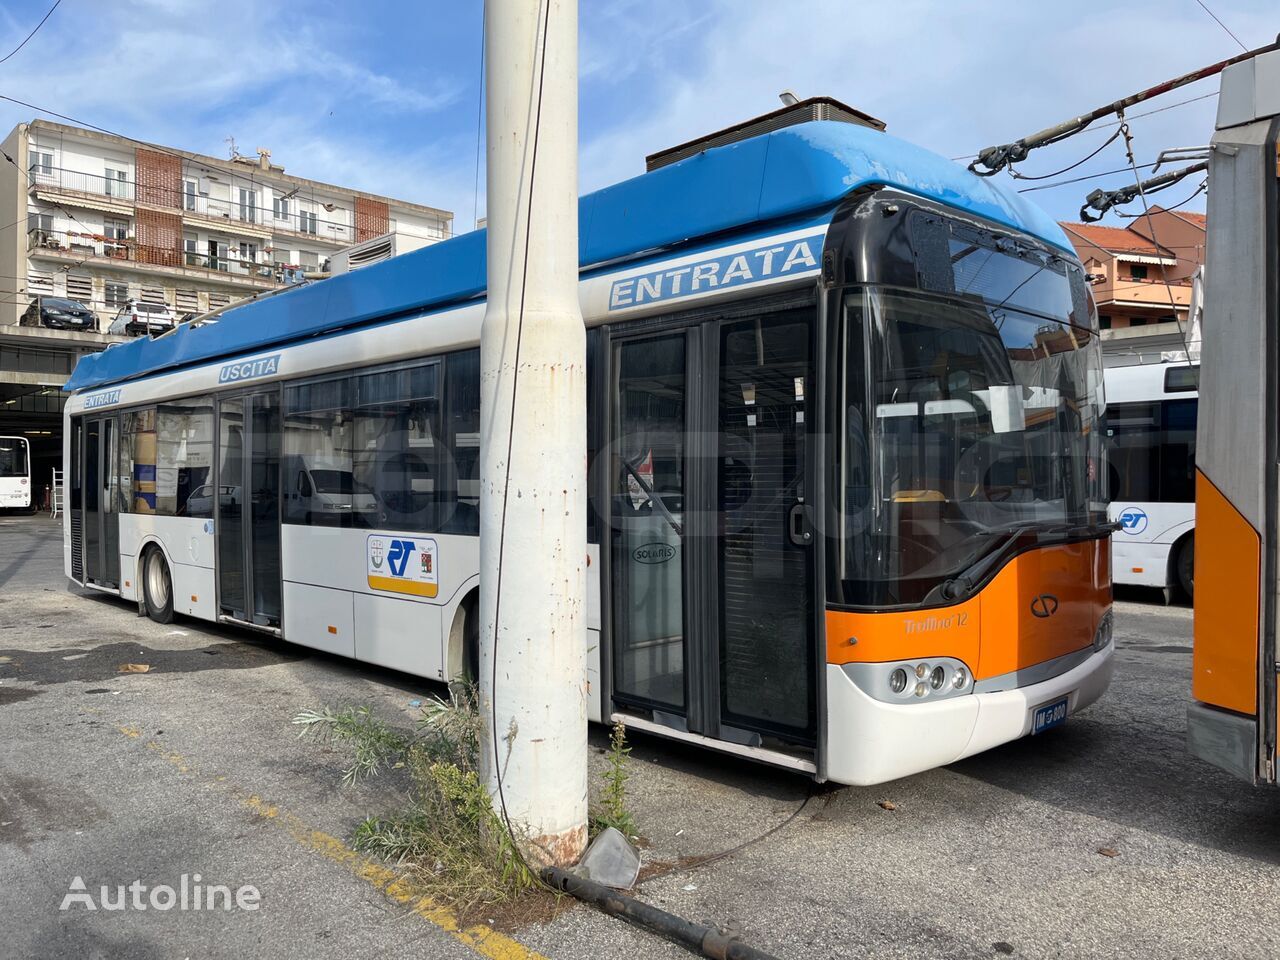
374	250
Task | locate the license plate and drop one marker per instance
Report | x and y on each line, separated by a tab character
1048	716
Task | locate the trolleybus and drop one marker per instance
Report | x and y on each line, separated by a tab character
846	481
15	474
1151	434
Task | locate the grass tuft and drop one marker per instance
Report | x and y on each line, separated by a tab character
448	839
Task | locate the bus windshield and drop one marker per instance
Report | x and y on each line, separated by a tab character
966	424
13	457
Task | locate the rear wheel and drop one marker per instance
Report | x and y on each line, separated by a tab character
157	587
1186	566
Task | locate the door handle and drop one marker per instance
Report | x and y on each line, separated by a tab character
798	525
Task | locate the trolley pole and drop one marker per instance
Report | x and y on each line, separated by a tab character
533	435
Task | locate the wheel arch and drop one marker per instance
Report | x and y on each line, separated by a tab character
465	613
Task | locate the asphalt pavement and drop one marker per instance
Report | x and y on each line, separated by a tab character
1101	838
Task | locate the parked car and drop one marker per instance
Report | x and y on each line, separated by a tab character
200	503
59	313
136	317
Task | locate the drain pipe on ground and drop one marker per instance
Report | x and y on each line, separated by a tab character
708	941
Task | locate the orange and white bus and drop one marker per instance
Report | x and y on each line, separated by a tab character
846	510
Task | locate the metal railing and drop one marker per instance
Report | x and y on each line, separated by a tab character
97	246
232	210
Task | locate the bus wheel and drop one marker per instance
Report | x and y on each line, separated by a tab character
157	587
1186	566
471	646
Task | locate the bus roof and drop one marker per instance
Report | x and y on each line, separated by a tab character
797	171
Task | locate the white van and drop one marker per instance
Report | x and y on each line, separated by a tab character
323	491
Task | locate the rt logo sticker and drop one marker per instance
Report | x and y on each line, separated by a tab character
1133	521
400	564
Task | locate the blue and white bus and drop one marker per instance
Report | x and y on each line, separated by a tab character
15	474
1151	451
843	408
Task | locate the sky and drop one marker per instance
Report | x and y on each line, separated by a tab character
385	95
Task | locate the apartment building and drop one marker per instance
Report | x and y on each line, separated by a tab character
1141	280
102	220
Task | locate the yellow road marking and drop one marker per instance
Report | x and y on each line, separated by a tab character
484	940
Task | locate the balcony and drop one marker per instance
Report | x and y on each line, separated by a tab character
100	192
1154	293
111	194
73	246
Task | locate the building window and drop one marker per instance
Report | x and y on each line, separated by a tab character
1138	271
218	300
116	184
248	252
248	205
41	163
191	250
114	294
187	301
1104	321
306	221
115	230
188	195
41	224
308	260
217	255
280	207
80	287
153	295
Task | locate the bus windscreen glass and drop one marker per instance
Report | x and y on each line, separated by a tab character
967	425
13	457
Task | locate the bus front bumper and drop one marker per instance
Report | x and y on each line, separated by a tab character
870	741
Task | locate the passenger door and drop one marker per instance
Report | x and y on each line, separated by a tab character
100	520
712	545
247	498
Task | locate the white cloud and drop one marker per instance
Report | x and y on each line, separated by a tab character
952	77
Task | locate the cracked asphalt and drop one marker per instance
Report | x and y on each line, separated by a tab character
194	767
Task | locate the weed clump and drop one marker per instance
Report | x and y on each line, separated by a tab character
613	810
448	839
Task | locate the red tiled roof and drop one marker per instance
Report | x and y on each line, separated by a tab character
1112	239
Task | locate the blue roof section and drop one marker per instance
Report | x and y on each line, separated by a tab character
782	175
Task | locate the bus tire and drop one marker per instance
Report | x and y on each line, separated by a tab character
1185	566
157	586
471	644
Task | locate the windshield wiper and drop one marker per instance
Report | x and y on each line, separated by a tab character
965	582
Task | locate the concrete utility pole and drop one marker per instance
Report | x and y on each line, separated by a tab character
533	455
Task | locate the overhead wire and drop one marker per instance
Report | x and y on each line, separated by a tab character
475	196
1164	275
32	33
1222	25
1094	127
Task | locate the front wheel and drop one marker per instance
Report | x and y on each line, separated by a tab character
157	587
1186	566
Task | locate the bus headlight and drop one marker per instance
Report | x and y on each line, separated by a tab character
912	681
1102	636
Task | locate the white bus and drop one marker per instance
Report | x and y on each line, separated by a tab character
15	474
845	512
1151	433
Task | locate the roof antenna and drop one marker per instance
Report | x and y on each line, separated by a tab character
788	98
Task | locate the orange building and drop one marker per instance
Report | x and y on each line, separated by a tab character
1141	276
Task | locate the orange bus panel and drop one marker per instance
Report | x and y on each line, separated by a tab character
1224	660
996	631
